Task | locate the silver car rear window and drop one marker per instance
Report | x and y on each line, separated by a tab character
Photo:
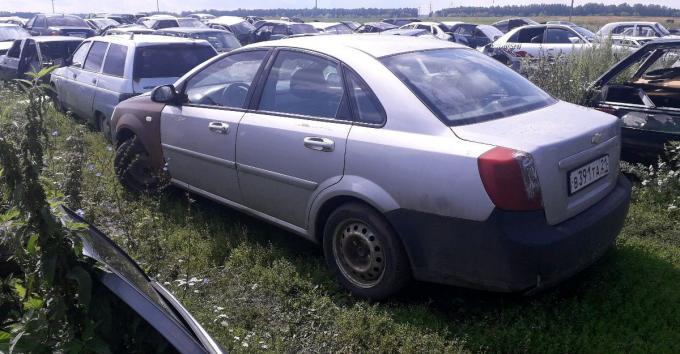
462	86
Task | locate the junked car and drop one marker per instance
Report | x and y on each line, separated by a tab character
409	32
221	40
34	53
59	25
107	70
475	36
437	29
157	22
633	29
273	30
332	27
508	25
400	21
101	25
405	158
643	90
8	34
14	20
531	42
202	17
129	30
164	325
375	27
241	28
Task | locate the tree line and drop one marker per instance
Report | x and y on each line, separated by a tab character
589	9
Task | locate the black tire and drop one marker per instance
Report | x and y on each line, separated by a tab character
104	126
133	167
364	253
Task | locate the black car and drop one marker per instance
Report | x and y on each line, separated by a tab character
221	40
271	30
506	25
375	27
165	326
59	25
400	21
643	90
473	35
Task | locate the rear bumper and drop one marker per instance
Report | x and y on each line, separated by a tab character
511	251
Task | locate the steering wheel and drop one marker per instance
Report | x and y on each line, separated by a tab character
234	95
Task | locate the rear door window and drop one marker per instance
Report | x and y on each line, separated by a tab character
15	51
169	60
95	57
559	36
531	35
115	60
366	107
303	84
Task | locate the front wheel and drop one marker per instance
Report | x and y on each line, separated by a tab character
134	169
364	253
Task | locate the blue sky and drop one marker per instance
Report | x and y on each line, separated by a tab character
86	6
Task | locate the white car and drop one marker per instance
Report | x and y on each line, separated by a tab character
405	157
633	29
104	71
536	41
438	29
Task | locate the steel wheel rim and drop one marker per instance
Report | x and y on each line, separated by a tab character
359	253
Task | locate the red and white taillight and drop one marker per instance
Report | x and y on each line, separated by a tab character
510	179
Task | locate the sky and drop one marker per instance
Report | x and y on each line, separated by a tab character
92	6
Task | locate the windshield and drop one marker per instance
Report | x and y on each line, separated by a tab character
490	31
11	33
302	28
220	40
105	22
166	61
590	36
242	27
59	21
662	29
190	22
463	86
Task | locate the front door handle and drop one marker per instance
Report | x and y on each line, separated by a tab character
219	127
319	144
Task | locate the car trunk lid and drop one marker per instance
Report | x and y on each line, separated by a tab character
561	138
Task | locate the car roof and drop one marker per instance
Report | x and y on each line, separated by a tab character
324	24
43	39
227	20
59	15
191	30
141	40
376	46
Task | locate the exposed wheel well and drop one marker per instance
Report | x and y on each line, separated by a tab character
123	135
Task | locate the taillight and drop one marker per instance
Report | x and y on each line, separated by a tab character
510	179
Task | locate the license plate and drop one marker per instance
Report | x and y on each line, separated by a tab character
588	174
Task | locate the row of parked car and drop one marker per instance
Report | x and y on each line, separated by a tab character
404	158
332	137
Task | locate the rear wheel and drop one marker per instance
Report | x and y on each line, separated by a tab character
134	169
364	253
104	126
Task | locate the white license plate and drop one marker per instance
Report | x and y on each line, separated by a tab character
588	174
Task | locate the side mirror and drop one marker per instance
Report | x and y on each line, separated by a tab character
164	94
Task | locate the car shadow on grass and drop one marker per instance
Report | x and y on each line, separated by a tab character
628	301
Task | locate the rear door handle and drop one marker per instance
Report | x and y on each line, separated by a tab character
319	144
219	127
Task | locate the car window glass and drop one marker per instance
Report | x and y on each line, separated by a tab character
96	56
80	54
646	31
226	82
304	84
41	22
30	23
560	36
280	29
366	106
115	60
169	61
15	51
530	35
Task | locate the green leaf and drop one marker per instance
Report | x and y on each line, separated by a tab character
9	215
19	290
5	337
32	245
33	303
82	277
49	266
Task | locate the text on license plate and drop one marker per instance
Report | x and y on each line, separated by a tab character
588	173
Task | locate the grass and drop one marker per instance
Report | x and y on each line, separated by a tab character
258	288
